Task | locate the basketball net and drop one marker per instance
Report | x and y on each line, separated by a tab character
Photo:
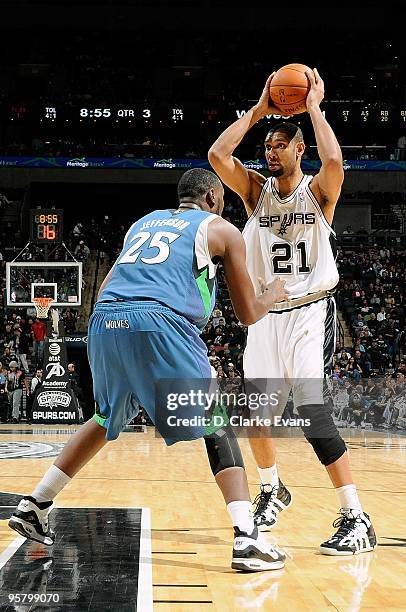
42	306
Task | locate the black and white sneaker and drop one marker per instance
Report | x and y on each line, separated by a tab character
269	502
354	535
30	520
252	553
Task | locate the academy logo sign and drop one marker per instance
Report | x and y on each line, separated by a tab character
55	401
54	369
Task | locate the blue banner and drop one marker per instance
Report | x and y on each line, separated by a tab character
176	164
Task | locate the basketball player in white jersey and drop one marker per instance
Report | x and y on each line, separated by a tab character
288	235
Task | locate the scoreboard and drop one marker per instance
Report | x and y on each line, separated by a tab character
373	114
355	113
46	226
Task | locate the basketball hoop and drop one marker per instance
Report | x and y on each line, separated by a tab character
42	306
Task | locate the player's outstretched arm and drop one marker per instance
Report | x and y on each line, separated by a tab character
247	183
327	183
225	241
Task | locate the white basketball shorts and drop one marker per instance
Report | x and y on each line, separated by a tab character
295	346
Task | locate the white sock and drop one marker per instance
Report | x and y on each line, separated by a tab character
241	515
348	498
269	476
52	483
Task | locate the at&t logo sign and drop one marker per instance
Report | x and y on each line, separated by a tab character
54	348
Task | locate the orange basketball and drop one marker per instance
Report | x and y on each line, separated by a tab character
289	88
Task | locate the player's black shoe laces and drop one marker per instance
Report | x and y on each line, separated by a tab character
262	500
345	524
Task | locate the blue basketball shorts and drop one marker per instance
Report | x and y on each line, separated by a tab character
134	349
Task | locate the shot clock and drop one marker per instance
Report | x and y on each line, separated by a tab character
46	226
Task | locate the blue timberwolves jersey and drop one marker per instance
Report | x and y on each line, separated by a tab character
166	258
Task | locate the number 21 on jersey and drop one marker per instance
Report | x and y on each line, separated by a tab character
282	254
143	241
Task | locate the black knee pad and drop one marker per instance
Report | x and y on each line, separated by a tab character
328	450
223	450
322	433
318	421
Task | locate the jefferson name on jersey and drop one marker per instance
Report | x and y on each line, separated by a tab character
178	223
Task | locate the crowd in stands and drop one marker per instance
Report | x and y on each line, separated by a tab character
375	402
23	334
368	383
371	298
21	350
368	380
22	341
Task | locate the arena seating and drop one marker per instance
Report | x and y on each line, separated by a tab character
370	299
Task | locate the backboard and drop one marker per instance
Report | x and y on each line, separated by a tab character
26	280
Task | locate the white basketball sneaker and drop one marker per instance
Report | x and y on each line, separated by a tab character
355	534
252	552
30	520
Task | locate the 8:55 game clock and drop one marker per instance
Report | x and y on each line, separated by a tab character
46	226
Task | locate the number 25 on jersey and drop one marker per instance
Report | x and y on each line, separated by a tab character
142	242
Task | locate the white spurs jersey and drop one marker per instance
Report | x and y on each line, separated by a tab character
290	238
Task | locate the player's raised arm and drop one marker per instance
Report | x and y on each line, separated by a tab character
225	241
326	185
247	183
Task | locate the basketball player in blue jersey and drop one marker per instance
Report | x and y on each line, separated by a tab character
145	328
288	234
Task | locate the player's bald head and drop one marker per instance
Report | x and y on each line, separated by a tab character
196	183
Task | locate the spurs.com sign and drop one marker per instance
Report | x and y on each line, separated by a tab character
52	416
55	401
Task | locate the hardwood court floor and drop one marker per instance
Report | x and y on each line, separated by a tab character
191	534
